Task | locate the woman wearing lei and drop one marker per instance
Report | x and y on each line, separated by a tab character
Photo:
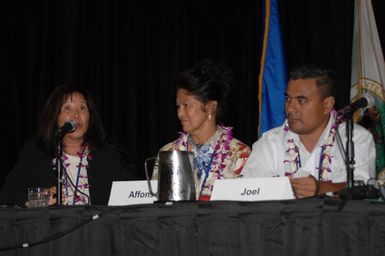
201	93
89	164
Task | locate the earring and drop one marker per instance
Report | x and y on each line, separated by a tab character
209	117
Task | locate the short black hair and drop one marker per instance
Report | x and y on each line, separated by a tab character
207	80
324	78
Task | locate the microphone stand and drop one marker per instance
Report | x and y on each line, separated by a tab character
59	164
349	151
348	192
352	191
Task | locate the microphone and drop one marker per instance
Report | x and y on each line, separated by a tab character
67	127
363	102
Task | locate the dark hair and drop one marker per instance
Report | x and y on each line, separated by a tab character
95	136
207	80
324	78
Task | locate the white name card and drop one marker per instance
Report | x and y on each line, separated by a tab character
252	189
131	192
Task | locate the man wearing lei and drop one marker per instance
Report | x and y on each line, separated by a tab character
306	148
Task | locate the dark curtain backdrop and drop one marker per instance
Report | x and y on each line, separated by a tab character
128	54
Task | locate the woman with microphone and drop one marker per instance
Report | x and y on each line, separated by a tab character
89	165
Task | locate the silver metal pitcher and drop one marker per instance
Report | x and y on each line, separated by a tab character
175	176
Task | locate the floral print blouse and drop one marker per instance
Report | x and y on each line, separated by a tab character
221	157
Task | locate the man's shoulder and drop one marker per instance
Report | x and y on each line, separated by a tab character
271	138
358	129
277	132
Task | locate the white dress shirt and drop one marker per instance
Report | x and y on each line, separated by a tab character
268	154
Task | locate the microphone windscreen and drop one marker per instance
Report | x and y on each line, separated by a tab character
370	99
68	126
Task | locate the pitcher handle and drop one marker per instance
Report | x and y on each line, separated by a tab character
147	176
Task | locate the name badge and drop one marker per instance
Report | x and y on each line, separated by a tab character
131	192
252	189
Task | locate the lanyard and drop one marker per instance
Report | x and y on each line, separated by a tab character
298	161
207	170
321	158
77	180
299	164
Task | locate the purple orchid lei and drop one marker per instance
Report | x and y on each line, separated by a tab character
325	159
84	154
222	151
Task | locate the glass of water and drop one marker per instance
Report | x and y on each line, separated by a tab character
38	197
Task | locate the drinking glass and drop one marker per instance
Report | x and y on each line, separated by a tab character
38	197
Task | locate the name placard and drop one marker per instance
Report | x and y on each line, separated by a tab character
131	192
252	189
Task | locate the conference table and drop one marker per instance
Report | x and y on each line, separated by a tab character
316	226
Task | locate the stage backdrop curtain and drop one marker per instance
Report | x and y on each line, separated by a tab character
128	54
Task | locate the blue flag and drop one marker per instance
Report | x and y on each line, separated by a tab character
273	74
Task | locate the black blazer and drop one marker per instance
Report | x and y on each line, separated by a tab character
34	169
